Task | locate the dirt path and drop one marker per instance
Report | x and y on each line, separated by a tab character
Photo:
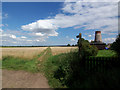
22	79
41	58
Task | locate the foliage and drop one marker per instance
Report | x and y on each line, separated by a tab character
68	45
65	70
58	69
116	45
73	45
87	49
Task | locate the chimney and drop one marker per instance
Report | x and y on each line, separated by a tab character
98	37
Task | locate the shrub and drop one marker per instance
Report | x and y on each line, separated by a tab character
87	49
68	45
116	45
69	71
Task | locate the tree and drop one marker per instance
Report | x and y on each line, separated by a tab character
87	49
73	45
68	45
116	45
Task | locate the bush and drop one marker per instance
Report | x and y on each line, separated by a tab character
116	45
68	45
67	68
87	49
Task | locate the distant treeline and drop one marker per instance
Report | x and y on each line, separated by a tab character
41	46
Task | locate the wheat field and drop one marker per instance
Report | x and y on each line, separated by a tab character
23	52
58	50
0	53
31	52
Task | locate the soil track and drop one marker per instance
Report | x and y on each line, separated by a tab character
23	79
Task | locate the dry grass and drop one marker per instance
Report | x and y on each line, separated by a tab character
0	53
23	52
31	52
58	50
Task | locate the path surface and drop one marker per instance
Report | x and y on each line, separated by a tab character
23	79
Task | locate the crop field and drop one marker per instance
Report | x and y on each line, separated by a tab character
23	52
0	53
31	52
58	50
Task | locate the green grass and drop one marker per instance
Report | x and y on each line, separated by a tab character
51	65
13	63
106	53
42	63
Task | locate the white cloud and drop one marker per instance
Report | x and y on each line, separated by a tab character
91	15
42	27
1	30
109	40
29	40
89	35
4	16
3	40
92	0
1	25
23	37
89	40
40	34
72	40
12	36
37	40
14	42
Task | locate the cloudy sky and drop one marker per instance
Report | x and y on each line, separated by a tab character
57	23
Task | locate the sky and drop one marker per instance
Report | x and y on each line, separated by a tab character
57	23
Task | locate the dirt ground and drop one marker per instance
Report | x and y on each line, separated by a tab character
23	79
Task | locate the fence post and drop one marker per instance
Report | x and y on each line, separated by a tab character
79	43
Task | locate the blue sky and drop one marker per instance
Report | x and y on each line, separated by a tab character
57	23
